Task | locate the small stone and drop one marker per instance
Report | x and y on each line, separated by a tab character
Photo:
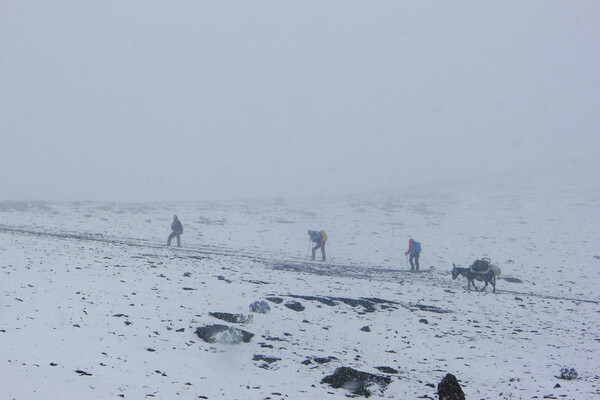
295	305
276	300
83	373
323	360
365	329
388	370
232	318
260	357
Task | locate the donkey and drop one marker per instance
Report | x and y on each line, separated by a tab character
487	275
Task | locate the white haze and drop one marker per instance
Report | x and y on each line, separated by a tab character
193	100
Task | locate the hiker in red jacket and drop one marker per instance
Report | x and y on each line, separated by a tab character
414	249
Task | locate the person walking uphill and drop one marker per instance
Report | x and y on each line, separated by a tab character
177	229
414	249
319	238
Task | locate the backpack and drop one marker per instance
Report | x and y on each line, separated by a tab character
481	265
323	235
417	247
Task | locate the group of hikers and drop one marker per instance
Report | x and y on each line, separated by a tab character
317	237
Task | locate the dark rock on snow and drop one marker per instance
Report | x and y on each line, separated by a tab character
323	360
223	334
356	381
322	300
449	389
425	307
232	318
260	357
367	305
276	300
295	305
387	370
82	373
365	329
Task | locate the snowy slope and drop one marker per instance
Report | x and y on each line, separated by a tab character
91	287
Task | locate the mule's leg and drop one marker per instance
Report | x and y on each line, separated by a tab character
484	286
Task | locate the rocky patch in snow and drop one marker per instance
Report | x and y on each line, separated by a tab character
223	334
358	382
232	318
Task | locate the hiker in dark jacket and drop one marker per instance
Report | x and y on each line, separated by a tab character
414	249
316	237
177	229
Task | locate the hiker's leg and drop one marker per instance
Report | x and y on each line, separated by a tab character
171	236
417	260
323	250
412	266
314	250
178	240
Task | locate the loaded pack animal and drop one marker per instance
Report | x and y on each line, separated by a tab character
481	270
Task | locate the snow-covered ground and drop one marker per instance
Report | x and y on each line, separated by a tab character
95	306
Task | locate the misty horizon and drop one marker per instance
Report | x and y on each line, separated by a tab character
148	101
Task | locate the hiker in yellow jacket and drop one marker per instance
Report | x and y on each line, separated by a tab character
319	237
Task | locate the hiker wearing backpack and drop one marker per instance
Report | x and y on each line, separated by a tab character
414	249
177	229
319	238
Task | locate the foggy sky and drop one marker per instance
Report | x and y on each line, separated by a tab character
194	100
